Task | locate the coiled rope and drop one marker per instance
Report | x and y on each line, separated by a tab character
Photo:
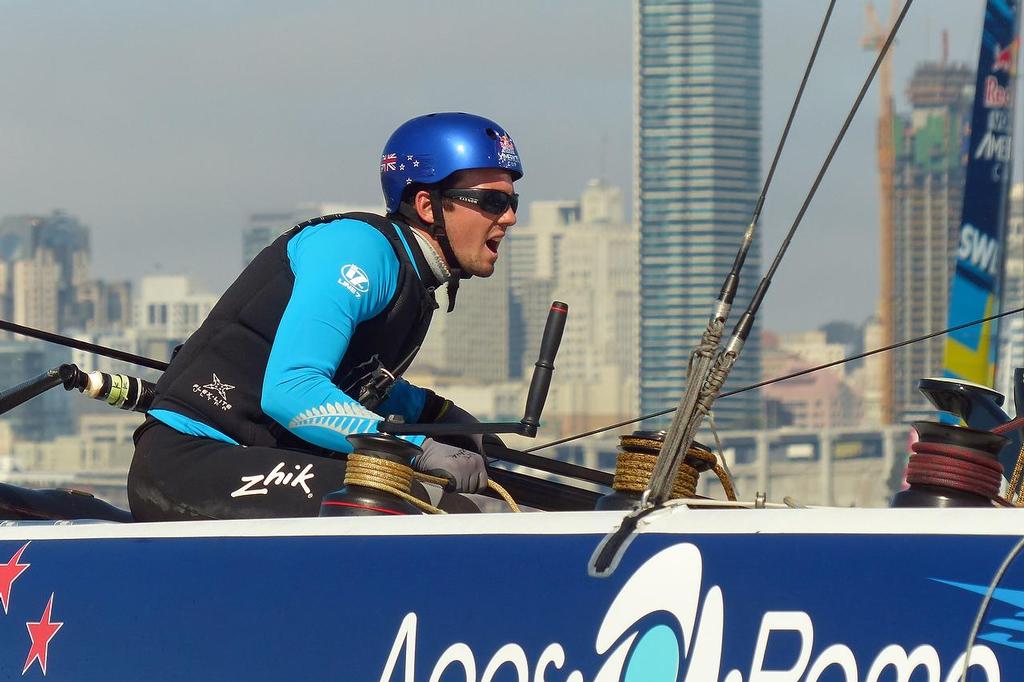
638	456
396	478
956	467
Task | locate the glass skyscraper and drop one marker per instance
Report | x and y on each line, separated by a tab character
697	132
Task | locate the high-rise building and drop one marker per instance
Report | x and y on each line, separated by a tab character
928	181
24	237
263	228
36	291
596	275
697	136
596	375
1011	329
68	240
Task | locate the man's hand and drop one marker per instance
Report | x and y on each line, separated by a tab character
465	469
453	414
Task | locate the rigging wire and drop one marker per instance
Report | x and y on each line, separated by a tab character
762	290
786	377
686	422
699	371
785	134
159	365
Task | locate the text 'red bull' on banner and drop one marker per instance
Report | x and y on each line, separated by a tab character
974	294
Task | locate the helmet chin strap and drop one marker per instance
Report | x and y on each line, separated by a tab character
441	236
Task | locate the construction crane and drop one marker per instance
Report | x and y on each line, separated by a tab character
872	40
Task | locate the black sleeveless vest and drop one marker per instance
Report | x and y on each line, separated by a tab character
217	376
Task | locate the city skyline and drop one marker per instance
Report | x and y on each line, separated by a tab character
594	386
199	129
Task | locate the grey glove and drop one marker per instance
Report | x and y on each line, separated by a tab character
465	469
456	415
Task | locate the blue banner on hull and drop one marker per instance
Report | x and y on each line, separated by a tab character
708	608
974	293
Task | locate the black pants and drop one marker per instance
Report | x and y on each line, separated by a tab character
176	477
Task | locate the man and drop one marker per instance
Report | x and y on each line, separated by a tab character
251	415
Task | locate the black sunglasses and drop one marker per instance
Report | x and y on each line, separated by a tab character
492	201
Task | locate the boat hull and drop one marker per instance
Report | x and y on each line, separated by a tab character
731	595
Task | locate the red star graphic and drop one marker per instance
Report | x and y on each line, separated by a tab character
9	572
41	634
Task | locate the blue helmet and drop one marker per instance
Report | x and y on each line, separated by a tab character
429	148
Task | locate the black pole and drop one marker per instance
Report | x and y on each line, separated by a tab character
27	390
82	345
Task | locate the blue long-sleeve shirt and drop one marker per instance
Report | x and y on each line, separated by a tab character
345	273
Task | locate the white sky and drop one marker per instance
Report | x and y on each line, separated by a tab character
162	125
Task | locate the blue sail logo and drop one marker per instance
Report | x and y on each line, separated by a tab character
979	251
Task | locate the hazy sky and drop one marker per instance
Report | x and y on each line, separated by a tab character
162	125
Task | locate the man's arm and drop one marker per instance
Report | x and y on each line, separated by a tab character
316	327
406	400
422	405
413	403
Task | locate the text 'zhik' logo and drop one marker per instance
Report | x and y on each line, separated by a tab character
354	279
259	484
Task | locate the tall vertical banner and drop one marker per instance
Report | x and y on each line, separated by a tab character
974	294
